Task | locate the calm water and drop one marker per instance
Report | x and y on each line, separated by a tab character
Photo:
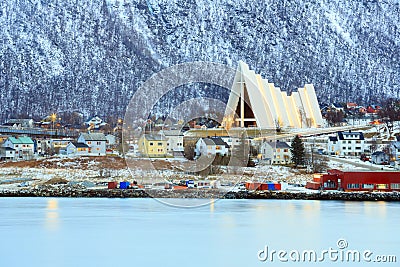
145	232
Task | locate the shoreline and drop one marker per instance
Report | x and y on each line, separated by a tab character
77	192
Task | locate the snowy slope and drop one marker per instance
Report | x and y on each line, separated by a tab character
92	55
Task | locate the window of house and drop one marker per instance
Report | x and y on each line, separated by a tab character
89	143
151	143
16	145
358	147
285	150
353	186
278	150
382	186
367	186
395	186
330	184
334	142
159	144
98	143
97	148
344	148
217	147
358	142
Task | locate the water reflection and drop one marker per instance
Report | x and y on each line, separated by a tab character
375	209
52	216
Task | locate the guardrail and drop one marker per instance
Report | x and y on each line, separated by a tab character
38	131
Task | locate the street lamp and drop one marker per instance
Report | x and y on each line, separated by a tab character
53	118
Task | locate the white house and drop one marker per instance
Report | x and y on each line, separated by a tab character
211	146
23	146
276	152
95	123
231	141
346	144
95	141
174	142
77	149
7	153
379	157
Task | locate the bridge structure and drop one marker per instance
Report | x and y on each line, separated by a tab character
39	132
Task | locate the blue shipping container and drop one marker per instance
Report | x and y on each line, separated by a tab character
271	186
123	185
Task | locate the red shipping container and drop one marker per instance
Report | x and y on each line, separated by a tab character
112	185
278	186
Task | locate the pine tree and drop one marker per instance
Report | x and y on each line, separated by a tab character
297	150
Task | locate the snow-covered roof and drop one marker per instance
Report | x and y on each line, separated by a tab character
94	137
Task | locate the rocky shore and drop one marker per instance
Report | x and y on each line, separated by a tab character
82	192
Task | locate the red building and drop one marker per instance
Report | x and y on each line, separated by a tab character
356	181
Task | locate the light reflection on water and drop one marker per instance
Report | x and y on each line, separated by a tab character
52	220
144	232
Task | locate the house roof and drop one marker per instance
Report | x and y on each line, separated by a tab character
171	132
21	140
279	144
396	144
215	141
94	136
7	148
359	135
155	137
79	145
333	138
377	153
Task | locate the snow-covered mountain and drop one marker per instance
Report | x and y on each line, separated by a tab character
92	55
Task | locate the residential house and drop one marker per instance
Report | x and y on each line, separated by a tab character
373	109
77	149
333	145
59	145
379	157
23	146
20	123
346	144
95	141
95	123
153	145
231	141
42	146
276	152
7	153
352	106
111	140
3	138
174	142
395	151
337	107
211	146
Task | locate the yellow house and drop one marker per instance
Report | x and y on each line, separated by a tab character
153	145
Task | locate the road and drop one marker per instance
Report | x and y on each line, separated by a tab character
368	166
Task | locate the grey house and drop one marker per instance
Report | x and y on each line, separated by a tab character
379	157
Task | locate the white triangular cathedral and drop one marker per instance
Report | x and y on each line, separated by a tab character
254	102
